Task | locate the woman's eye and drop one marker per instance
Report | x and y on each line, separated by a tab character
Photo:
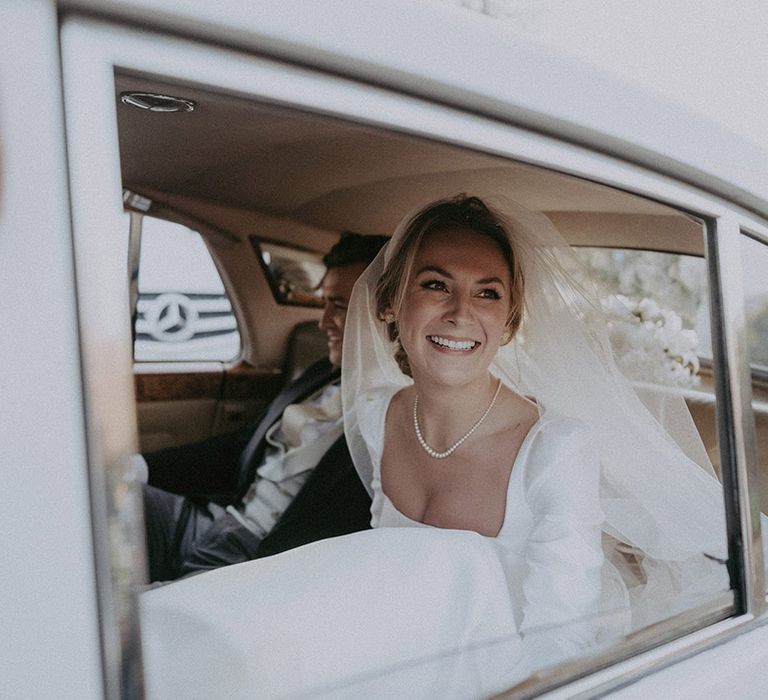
438	285
490	294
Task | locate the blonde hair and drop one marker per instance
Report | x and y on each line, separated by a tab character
462	212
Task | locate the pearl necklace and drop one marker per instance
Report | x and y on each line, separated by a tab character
442	455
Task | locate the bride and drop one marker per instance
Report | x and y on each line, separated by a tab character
527	505
609	505
459	449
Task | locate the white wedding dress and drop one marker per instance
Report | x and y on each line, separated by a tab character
390	613
405	610
564	594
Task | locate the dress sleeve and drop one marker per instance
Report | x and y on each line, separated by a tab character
563	554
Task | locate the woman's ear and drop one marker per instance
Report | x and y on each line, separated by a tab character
387	315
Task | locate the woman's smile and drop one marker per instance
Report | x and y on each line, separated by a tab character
452	345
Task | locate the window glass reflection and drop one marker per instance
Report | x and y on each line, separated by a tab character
754	260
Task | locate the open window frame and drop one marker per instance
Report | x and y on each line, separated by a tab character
92	52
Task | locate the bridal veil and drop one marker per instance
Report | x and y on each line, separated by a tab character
664	523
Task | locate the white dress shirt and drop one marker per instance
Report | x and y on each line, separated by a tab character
295	445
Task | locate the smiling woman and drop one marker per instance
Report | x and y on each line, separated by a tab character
457	299
451	296
551	465
457	218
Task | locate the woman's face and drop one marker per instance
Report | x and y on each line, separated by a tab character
455	307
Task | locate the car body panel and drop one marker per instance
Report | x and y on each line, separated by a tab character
69	374
585	107
50	644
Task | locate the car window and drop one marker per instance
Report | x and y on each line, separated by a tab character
754	264
754	261
659	325
183	311
658	309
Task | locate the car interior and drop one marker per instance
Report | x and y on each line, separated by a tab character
240	172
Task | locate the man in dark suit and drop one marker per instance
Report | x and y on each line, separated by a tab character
285	482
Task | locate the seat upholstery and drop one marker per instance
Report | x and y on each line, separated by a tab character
306	345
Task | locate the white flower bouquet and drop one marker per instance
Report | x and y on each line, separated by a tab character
650	343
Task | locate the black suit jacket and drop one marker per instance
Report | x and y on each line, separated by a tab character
332	502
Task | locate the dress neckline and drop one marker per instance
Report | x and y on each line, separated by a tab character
524	447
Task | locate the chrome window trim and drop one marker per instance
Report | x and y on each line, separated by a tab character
758	233
735	423
639	654
624	673
134	256
92	50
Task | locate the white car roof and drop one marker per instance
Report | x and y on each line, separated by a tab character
510	78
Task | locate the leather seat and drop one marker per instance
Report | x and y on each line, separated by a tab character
306	345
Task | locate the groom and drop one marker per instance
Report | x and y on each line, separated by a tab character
284	482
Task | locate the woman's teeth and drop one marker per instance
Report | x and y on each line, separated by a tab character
453	344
